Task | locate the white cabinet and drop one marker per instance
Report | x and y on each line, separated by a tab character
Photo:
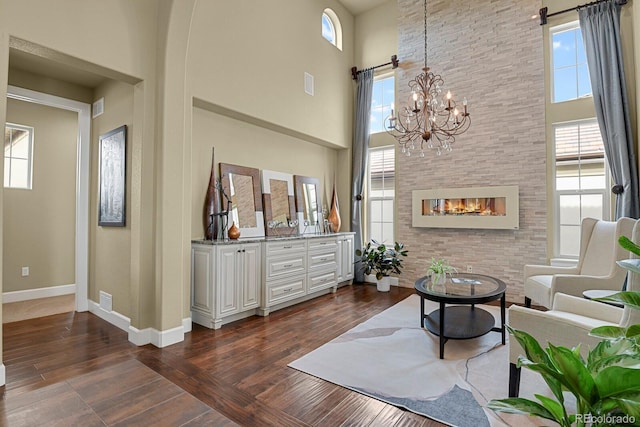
285	272
322	256
225	282
346	257
233	280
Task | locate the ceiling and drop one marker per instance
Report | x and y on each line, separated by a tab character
356	7
24	61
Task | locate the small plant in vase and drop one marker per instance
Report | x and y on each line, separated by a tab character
438	271
381	260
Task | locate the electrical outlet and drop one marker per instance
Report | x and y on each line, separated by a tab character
469	268
25	271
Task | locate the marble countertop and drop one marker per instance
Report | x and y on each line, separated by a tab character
268	238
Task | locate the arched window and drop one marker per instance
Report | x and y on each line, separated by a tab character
331	28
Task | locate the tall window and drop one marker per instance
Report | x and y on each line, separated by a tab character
331	28
382	96
569	63
381	194
581	180
18	153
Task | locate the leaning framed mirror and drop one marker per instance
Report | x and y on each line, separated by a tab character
308	204
242	197
279	209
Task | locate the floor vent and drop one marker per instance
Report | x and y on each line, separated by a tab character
106	301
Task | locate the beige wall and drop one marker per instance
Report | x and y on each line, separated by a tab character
490	52
75	34
250	57
110	247
39	224
376	40
248	145
245	70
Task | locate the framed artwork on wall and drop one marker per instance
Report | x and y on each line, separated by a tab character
111	176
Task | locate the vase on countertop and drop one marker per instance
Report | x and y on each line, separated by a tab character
234	232
334	213
209	220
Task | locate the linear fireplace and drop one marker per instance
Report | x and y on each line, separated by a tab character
471	207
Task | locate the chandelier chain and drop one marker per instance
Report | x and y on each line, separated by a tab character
432	119
425	34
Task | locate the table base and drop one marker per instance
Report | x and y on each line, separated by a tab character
460	322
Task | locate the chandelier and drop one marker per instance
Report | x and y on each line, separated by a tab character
431	120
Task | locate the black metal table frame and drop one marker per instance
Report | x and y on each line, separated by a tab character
444	299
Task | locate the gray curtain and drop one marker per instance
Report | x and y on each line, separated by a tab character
360	157
600	26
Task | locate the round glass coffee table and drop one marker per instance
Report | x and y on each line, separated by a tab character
465	320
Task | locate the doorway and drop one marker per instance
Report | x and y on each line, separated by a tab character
82	182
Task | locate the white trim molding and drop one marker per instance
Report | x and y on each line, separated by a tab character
30	294
186	325
82	180
158	338
142	336
3	377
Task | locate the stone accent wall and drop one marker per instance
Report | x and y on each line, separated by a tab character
490	51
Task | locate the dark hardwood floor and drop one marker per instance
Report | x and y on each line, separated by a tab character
76	369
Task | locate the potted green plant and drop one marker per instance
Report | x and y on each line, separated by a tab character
439	269
381	260
606	384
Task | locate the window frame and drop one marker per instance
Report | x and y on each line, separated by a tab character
370	199
557	194
30	131
379	79
333	19
568	26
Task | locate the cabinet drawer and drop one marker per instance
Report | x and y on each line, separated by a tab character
324	261
290	264
323	244
284	247
282	290
322	281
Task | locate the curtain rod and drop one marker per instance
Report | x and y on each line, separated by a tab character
394	62
544	11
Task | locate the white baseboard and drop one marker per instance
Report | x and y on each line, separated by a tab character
29	294
186	325
142	336
113	317
3	378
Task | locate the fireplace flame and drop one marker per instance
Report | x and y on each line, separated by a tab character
490	206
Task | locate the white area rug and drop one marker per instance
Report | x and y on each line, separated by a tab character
391	358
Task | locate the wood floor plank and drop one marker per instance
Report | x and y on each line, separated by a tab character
167	413
77	369
65	408
112	381
211	419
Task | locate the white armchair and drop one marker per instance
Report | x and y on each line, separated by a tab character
596	269
569	322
